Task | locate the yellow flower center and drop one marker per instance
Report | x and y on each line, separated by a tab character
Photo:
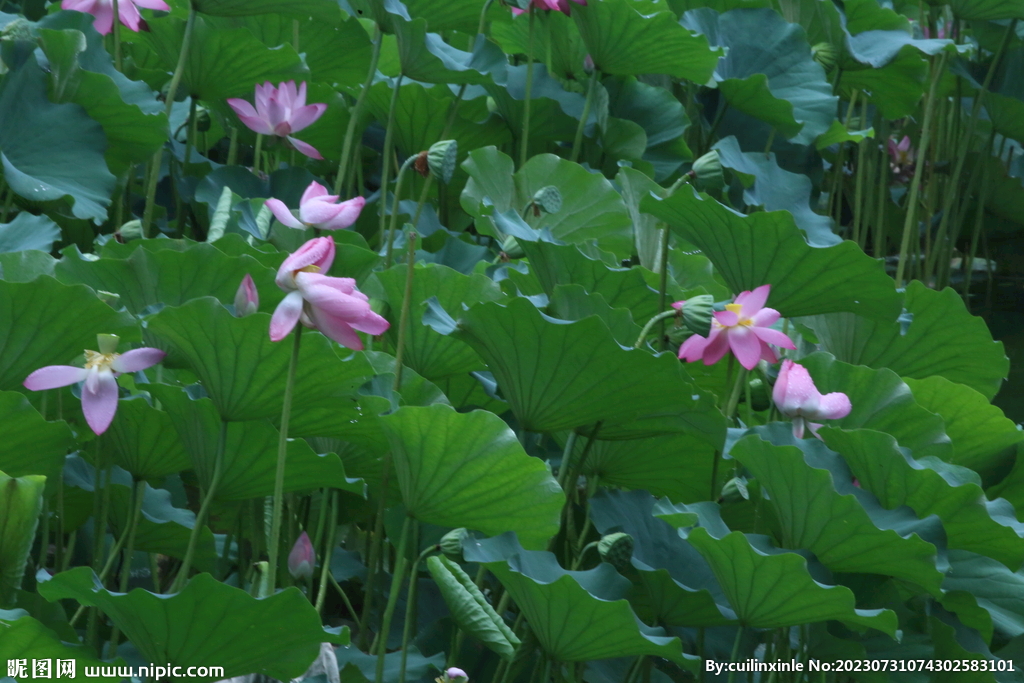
100	361
736	308
309	269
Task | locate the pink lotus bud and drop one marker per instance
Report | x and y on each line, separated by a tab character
302	558
247	299
588	64
455	674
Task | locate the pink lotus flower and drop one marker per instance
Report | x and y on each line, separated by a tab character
455	674
744	327
332	305
247	299
302	558
280	111
99	394
901	153
317	209
796	396
558	5
103	11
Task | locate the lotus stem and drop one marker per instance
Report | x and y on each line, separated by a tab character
660	318
883	190
154	170
233	148
735	651
116	26
577	142
979	217
257	153
524	138
350	130
394	207
325	567
138	496
915	185
44	530
396	586
452	112
282	455
663	286
403	321
410	609
385	174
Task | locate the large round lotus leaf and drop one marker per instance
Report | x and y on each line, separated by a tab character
30	444
768	248
47	323
21	501
207	624
469	470
28	639
846	533
935	336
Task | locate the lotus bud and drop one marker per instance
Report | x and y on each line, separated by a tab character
588	64
492	105
451	543
441	159
247	298
616	549
547	199
302	558
759	398
825	54
456	675
510	247
203	120
107	343
735	490
132	230
707	170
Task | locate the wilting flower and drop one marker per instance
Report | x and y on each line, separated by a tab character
317	209
332	305
744	327
247	299
280	111
99	393
103	11
302	558
559	5
796	396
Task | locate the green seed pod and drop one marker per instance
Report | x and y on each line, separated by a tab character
511	248
107	343
708	171
548	199
441	159
451	543
616	549
203	120
759	399
697	313
825	54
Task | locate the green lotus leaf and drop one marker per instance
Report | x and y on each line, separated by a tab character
28	639
468	470
768	248
846	533
31	445
895	88
27	232
222	62
427	58
556	40
624	42
768	72
937	336
575	616
208	624
51	152
170	277
432	355
25	266
143	441
554	111
81	72
51	324
21	501
557	376
572	302
984	594
769	588
250	452
931	487
242	8
243	371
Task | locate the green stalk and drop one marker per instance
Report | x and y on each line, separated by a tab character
663	287
577	142
661	317
116	26
389	611
961	153
282	455
218	470
139	493
394	207
915	185
350	130
44	534
233	148
978	223
257	153
373	565
734	398
190	134
410	610
58	562
524	138
563	467
452	112
385	174
883	190
403	321
735	651
858	201
154	172
325	567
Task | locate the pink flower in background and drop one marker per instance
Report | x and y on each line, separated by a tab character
247	299
559	5
455	674
901	153
103	11
332	305
302	558
745	328
280	111
99	393
317	209
796	396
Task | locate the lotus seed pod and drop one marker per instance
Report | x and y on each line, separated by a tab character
759	399
548	199
708	171
616	549
203	120
825	54
441	159
107	343
451	543
510	247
